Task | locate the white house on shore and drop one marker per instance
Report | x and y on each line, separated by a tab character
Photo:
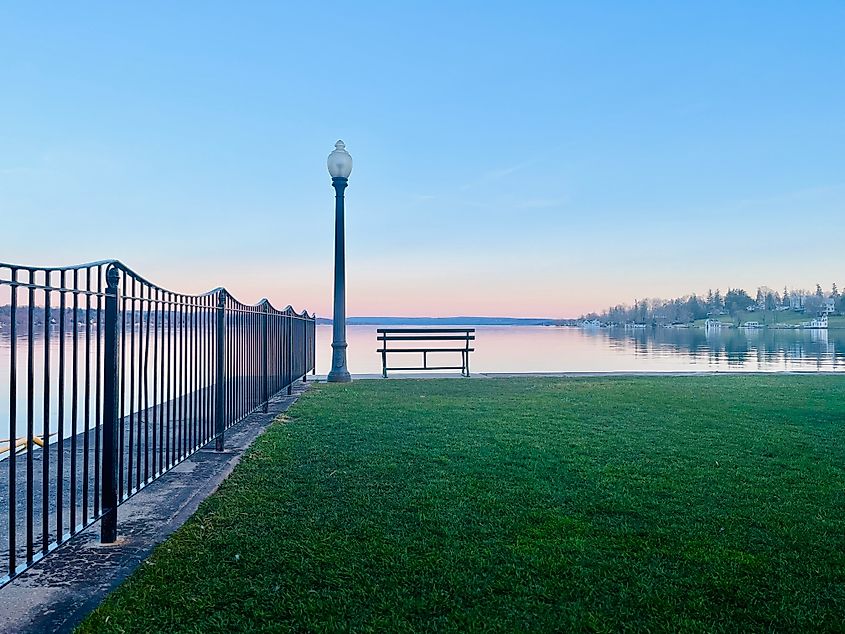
591	323
712	324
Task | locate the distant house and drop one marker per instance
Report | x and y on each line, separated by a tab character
712	324
829	306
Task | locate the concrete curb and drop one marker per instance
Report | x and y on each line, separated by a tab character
573	375
57	593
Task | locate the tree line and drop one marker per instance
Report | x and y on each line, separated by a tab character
735	302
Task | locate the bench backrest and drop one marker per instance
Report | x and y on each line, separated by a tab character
462	336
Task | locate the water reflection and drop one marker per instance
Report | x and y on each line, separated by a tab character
562	349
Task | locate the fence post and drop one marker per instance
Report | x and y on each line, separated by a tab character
108	525
220	377
289	347
305	348
265	362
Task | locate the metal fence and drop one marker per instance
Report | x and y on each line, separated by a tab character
111	381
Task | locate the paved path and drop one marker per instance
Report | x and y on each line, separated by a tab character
55	594
149	446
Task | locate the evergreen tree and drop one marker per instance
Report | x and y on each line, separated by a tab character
737	301
696	308
772	300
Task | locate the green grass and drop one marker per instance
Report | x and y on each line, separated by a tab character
646	504
789	317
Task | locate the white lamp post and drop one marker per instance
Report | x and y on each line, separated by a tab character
340	166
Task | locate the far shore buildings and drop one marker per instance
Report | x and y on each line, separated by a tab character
591	323
714	324
797	302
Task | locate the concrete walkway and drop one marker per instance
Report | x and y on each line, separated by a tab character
59	591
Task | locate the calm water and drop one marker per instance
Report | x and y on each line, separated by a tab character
560	349
519	349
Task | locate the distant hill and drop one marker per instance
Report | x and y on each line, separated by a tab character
450	321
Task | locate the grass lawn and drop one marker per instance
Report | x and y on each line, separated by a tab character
599	504
789	317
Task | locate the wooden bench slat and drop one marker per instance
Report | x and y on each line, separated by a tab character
432	338
431	367
389	330
426	350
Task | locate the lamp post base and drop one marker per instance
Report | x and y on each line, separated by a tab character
339	377
339	373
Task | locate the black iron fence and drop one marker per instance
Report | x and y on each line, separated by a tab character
112	381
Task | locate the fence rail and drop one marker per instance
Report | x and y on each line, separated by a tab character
112	381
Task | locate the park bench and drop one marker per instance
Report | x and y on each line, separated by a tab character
443	340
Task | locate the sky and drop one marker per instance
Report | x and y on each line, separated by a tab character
523	159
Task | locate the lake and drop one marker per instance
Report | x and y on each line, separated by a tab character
530	349
565	349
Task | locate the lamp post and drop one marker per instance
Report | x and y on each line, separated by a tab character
340	166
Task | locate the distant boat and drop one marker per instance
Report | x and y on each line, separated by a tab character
820	323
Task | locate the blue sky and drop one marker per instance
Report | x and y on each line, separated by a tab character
510	158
